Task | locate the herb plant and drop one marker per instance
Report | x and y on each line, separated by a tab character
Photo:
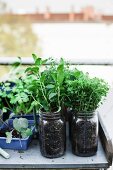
84	93
48	84
49	87
16	99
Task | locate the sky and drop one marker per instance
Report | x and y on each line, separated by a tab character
103	6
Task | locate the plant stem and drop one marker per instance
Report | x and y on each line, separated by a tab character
42	84
36	100
58	95
8	104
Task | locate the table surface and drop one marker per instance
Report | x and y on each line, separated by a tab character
32	158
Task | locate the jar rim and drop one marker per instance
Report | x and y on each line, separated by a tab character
55	112
51	115
87	114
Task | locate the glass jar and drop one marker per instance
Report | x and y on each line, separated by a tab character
85	134
52	134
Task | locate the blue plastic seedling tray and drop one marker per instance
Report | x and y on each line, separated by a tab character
16	143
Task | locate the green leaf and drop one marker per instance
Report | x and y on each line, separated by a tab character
34	57
38	62
29	69
12	100
54	77
51	95
60	72
78	73
50	86
4	110
19	124
17	63
44	61
26	133
34	103
42	78
32	69
8	137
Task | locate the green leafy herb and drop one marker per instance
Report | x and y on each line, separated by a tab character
84	94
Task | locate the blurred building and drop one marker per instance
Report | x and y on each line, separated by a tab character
63	10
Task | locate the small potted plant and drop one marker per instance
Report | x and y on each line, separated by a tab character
85	94
5	89
19	100
16	134
52	130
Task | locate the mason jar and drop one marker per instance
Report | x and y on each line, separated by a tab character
52	134
85	134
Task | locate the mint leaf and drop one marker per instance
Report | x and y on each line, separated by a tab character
50	86
51	95
60	72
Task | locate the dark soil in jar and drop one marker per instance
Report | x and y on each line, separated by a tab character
15	134
52	139
84	141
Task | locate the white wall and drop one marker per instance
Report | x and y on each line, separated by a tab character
79	41
76	40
